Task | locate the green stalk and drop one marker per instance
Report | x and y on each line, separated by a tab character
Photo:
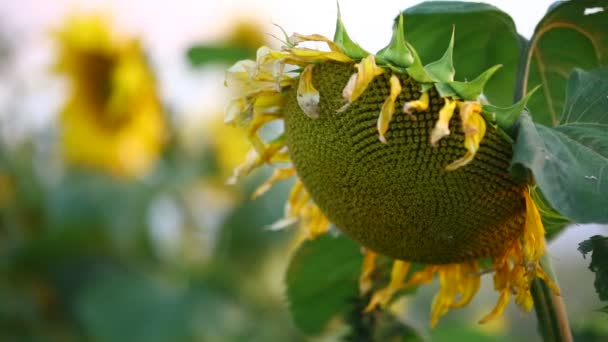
549	307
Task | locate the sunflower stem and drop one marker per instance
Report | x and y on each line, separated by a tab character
549	307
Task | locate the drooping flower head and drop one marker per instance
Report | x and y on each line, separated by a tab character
400	157
113	119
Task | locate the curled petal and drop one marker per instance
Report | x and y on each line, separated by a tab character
246	167
458	284
419	105
388	108
369	265
423	276
502	303
305	56
277	175
442	127
367	70
534	232
237	112
271	67
468	284
297	38
474	127
308	97
313	221
257	156
382	297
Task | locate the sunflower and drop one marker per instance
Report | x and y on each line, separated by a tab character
113	119
400	157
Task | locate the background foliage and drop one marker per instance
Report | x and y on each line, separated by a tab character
176	255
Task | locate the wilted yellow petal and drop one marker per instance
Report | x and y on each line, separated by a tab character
474	128
307	96
311	55
442	127
367	70
313	221
267	106
277	175
295	195
458	283
419	105
383	296
423	276
249	164
234	112
502	303
260	154
369	265
388	107
469	282
534	232
271	68
297	38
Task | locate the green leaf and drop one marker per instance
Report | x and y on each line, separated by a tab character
322	280
442	70
397	52
598	247
553	221
471	90
342	39
505	117
201	55
148	310
484	36
604	309
568	37
570	162
416	69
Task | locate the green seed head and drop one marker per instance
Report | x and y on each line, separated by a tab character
397	198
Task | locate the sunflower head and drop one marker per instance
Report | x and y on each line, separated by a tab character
113	118
399	156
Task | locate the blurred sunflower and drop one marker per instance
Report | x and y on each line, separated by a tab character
113	119
430	185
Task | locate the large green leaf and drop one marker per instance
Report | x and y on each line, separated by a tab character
322	281
573	34
570	162
484	36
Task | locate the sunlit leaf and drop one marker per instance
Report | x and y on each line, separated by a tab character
573	34
322	281
570	162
